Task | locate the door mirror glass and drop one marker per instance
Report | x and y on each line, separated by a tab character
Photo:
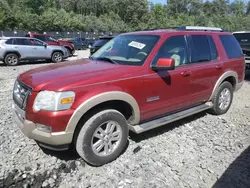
164	64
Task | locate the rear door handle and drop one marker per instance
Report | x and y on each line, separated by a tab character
186	73
15	46
218	67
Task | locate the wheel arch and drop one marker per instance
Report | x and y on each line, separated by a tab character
56	51
12	52
229	76
102	99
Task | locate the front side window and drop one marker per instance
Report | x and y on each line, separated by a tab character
175	48
200	49
36	42
127	49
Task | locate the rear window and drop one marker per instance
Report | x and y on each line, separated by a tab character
101	42
242	37
232	46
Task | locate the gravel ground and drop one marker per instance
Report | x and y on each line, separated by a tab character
199	151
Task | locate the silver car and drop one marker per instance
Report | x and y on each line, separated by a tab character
15	49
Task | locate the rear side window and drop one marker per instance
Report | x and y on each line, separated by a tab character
23	42
213	50
200	49
232	46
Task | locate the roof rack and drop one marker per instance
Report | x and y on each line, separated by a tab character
199	28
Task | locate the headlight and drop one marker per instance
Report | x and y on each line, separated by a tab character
53	101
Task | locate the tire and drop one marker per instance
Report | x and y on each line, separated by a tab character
57	57
69	52
85	140
11	59
226	90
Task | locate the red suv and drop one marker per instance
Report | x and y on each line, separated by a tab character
52	41
138	81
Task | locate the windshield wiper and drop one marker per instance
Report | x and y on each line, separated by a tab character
106	59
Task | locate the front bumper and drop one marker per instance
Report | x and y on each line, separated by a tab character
54	140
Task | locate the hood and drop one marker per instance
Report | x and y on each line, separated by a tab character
63	76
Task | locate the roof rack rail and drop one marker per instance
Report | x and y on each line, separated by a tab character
199	28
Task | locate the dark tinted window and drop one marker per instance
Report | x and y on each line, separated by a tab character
213	50
36	42
22	41
242	37
9	41
200	49
174	47
100	42
40	37
231	46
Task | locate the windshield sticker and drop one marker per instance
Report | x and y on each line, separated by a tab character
137	45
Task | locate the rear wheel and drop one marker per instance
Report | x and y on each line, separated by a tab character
222	99
103	137
57	57
11	59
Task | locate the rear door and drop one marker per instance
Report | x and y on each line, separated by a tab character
205	67
23	46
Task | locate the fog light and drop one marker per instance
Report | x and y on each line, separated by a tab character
43	128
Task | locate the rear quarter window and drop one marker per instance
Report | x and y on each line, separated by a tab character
10	41
231	46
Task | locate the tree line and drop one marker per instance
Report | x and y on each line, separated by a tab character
121	15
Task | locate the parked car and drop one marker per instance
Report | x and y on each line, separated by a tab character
99	43
77	41
139	81
243	38
16	49
52	41
88	42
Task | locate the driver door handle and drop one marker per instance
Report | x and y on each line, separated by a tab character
186	73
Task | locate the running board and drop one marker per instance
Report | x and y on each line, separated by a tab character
169	119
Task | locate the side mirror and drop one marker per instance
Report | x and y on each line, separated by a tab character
45	45
164	64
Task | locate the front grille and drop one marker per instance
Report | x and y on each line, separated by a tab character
21	93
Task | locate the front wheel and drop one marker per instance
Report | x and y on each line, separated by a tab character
103	137
222	99
57	57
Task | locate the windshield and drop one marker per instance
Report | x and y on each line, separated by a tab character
127	49
101	42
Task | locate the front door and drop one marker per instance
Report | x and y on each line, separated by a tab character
168	91
39	50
